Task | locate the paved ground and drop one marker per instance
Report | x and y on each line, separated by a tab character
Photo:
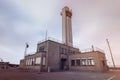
22	75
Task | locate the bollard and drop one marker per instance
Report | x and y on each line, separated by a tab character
48	69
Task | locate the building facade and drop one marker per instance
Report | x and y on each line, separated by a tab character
4	65
88	61
55	56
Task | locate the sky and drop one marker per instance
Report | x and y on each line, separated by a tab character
93	22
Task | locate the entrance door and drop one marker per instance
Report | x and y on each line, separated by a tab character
63	64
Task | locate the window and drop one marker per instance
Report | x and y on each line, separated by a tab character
43	60
72	62
33	61
78	62
91	62
27	62
42	49
84	62
38	60
63	50
30	61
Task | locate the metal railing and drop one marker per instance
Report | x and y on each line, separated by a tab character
81	50
56	40
90	50
30	54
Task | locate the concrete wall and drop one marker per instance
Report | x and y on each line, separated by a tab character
97	56
34	66
53	56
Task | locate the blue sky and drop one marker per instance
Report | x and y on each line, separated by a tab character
24	21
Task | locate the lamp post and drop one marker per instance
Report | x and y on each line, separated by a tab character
110	52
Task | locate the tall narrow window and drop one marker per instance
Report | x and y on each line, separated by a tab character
89	62
27	62
72	62
30	62
38	60
78	62
92	62
33	61
43	60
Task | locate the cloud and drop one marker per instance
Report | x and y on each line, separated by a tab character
27	21
24	21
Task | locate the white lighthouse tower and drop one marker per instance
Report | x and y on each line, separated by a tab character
66	26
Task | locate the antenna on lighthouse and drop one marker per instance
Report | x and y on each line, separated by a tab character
46	35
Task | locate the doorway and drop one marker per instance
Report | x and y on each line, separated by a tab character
63	64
